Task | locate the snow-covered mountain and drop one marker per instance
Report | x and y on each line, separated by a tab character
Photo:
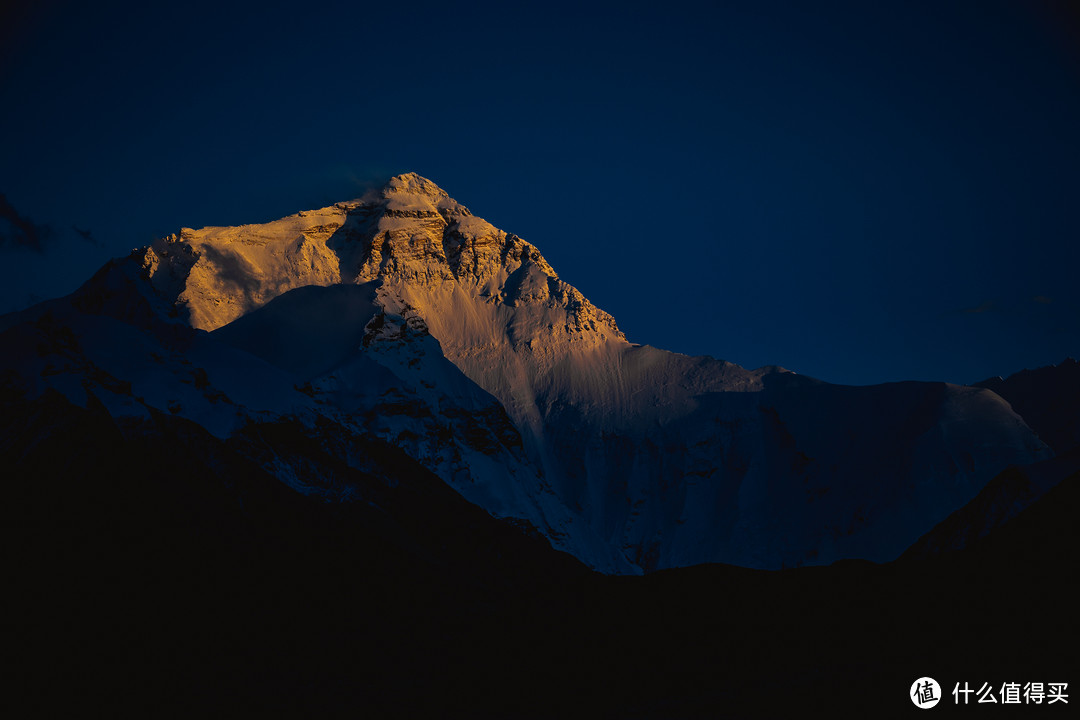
404	317
1004	498
1048	399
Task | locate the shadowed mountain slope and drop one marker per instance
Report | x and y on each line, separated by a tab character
664	459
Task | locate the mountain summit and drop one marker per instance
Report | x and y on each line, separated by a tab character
402	316
411	232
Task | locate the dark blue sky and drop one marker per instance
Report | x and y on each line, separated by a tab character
862	192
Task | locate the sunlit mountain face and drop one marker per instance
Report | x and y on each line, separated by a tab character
379	456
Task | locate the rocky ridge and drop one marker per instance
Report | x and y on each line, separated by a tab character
629	457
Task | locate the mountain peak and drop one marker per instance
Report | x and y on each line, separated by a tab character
412	184
630	457
410	234
410	195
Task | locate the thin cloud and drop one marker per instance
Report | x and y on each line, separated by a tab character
87	236
19	231
1009	308
985	307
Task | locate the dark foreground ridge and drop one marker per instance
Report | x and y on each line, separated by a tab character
161	571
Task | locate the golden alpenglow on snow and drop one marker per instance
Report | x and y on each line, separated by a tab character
630	457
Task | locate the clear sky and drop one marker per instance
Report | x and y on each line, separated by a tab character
862	192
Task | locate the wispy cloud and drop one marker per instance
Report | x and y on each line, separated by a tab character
1008	307
87	236
985	307
1030	307
19	231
